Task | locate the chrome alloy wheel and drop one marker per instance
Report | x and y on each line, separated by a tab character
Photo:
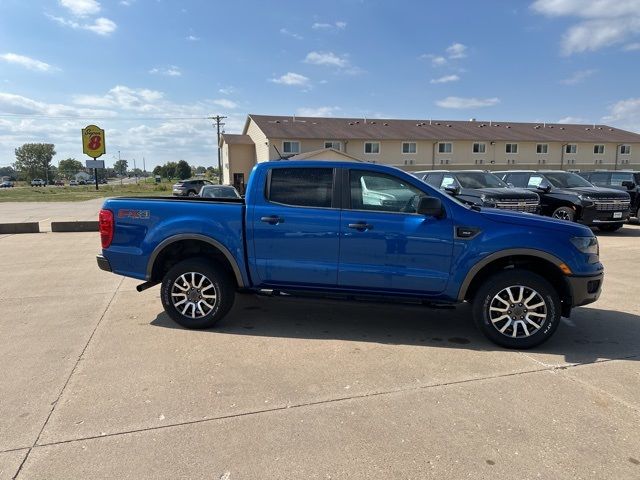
518	311
193	295
562	215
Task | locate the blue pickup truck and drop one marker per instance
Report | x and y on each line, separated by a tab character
356	230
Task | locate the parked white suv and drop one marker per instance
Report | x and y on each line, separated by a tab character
38	182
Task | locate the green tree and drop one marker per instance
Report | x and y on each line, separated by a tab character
170	169
8	172
200	169
183	170
34	160
157	170
120	166
69	167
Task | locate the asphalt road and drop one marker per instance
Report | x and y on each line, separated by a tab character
97	382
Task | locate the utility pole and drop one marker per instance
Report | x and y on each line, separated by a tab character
219	124
135	174
144	169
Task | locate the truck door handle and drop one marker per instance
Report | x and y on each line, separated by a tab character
272	220
361	226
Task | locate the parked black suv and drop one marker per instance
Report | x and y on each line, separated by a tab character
189	188
627	181
568	196
484	189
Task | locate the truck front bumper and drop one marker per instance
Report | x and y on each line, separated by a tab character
585	290
103	263
592	217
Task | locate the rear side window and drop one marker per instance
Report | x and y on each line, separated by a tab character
303	187
618	177
600	179
518	179
434	180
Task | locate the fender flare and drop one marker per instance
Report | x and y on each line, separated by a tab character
203	238
530	252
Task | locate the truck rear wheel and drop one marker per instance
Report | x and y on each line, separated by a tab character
517	309
197	294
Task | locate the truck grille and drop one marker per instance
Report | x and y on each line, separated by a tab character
609	204
530	206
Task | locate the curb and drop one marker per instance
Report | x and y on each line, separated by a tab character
82	226
23	227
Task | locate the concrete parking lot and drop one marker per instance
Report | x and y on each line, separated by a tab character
97	382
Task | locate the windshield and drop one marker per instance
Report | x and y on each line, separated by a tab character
218	192
479	180
566	180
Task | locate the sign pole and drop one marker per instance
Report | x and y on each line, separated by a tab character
95	174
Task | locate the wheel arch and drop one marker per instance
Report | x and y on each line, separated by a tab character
182	246
537	261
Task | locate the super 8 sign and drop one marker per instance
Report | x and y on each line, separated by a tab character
93	141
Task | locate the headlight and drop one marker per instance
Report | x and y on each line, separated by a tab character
586	199
488	201
588	245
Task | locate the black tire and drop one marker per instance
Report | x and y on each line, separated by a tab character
564	213
610	227
221	284
494	286
192	193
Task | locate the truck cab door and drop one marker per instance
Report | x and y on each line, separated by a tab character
385	246
294	228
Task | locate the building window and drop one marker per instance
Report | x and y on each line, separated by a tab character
408	162
409	147
333	144
444	161
542	161
289	146
598	149
479	147
542	148
511	161
511	148
479	161
371	147
625	149
570	148
445	148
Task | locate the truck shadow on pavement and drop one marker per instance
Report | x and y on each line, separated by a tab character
589	335
628	231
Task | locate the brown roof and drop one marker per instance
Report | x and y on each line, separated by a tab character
394	129
234	139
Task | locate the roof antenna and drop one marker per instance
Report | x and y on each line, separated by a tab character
278	152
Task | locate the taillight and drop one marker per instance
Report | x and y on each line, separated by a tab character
106	226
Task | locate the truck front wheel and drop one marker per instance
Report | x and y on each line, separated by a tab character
517	309
197	294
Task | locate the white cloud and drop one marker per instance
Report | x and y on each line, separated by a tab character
226	90
339	25
290	78
125	98
288	33
600	23
317	111
625	114
446	79
192	38
81	8
571	120
126	3
101	26
462	103
632	47
457	50
170	71
578	77
326	58
26	62
226	103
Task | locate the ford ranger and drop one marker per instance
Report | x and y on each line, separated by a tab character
319	228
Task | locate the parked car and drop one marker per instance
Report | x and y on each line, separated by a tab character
103	181
38	182
73	183
568	196
307	228
483	189
189	188
627	181
219	191
59	183
6	184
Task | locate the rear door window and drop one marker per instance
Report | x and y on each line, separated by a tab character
600	179
433	179
619	177
301	187
519	180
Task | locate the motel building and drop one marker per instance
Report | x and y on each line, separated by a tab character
427	144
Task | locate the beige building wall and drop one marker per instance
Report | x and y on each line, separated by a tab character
243	158
427	154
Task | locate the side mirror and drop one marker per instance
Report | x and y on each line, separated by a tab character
452	190
544	186
430	207
629	184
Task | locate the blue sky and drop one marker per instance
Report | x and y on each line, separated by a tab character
150	71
